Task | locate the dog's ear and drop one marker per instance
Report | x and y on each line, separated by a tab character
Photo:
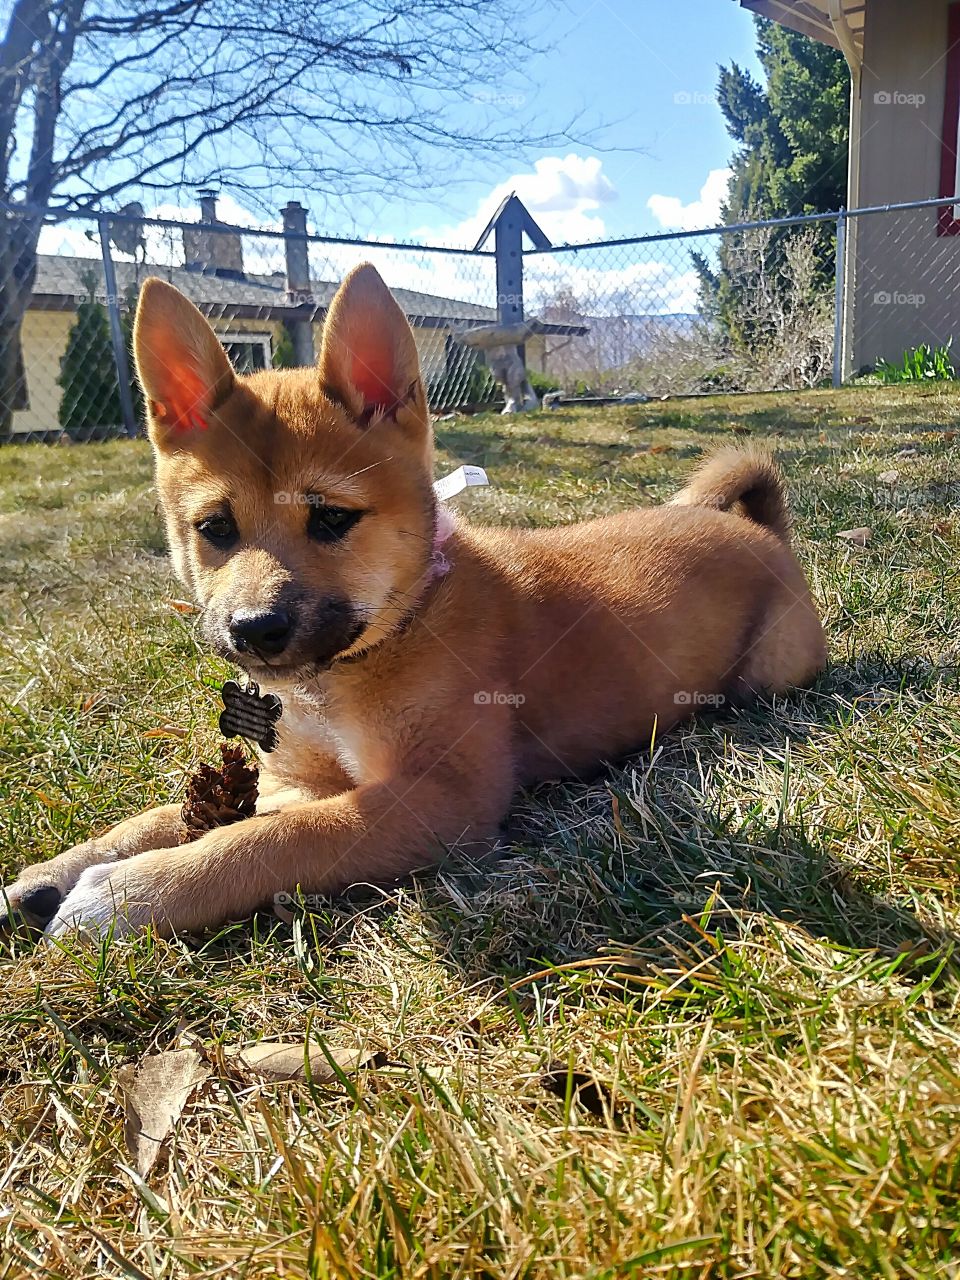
368	359
184	371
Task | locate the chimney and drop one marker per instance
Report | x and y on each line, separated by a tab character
299	292
215	253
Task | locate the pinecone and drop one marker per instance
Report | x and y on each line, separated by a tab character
217	797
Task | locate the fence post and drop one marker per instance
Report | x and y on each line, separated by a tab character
118	341
839	298
299	289
507	226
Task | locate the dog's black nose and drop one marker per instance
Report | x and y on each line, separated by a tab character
265	633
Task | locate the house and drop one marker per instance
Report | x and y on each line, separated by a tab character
255	313
901	267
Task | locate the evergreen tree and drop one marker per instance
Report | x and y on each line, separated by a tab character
792	132
792	136
284	355
88	375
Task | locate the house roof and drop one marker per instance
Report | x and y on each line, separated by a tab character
812	17
63	281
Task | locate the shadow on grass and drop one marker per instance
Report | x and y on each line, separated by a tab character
636	858
650	854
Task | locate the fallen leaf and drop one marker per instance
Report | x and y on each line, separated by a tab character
287	1060
888	477
167	731
155	1093
858	537
617	823
182	606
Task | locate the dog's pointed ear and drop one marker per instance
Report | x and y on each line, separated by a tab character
183	369
368	358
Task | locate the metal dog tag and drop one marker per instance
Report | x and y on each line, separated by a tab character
249	714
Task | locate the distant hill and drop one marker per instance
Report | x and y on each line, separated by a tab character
613	342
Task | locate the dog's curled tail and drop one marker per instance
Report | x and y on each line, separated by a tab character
746	481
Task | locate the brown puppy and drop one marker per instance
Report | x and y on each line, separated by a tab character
421	683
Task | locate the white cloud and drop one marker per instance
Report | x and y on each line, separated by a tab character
673	214
563	194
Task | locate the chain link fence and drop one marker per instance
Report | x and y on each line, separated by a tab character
65	359
747	309
786	304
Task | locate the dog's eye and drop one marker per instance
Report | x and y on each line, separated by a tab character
329	524
219	530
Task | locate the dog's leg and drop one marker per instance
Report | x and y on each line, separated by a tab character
373	834
39	889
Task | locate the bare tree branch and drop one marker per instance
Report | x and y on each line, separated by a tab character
101	99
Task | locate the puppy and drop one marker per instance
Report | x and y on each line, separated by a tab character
427	668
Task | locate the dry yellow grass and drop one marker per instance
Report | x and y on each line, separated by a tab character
700	1020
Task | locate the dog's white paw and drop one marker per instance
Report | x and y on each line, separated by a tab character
97	903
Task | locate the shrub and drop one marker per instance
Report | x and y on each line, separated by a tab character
920	364
543	383
91	395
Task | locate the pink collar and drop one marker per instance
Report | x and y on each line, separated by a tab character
445	525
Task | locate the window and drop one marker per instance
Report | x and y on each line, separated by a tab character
948	217
248	351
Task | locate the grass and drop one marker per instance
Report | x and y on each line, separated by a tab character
701	1019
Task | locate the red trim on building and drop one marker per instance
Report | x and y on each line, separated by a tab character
948	224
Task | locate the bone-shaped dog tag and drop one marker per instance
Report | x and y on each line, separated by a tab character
249	714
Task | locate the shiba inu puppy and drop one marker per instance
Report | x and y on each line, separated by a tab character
427	668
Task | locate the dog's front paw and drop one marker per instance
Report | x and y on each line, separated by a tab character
110	898
39	890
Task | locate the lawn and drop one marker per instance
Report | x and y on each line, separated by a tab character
701	1019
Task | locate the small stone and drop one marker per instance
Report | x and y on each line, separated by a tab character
857	537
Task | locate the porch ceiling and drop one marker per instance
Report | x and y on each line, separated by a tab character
812	17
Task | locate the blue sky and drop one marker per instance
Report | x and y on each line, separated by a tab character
640	73
649	69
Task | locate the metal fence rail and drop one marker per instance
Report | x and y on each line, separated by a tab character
782	304
266	293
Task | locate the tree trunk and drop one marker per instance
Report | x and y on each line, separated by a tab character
19	234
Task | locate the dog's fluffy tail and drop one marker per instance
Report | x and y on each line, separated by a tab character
747	481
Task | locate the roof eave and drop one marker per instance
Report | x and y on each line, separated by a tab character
809	17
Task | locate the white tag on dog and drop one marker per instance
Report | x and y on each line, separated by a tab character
459	480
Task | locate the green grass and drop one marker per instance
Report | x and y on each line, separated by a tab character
700	1020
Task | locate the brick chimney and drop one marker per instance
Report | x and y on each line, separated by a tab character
215	253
